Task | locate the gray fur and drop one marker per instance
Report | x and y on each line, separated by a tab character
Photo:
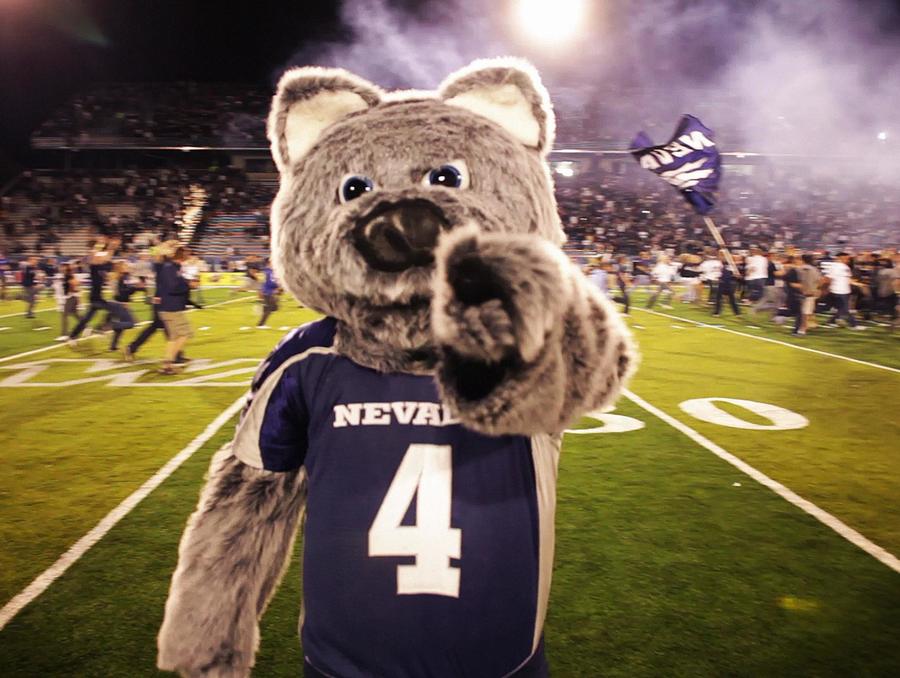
518	341
233	553
510	191
569	352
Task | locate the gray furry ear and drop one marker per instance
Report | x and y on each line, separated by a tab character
306	102
509	92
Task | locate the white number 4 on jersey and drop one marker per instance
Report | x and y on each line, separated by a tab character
426	472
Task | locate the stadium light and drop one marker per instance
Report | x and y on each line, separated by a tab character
565	168
550	21
882	136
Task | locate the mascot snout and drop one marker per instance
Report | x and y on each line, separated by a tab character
395	236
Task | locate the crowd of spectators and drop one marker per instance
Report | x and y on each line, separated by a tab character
233	115
631	209
177	114
125	204
621	208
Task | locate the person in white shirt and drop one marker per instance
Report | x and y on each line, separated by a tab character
773	296
755	274
840	279
598	276
689	274
663	273
710	272
190	269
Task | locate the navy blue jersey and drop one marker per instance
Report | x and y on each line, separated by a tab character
427	546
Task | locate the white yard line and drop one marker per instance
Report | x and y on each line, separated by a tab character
785	493
83	545
144	322
771	341
40	310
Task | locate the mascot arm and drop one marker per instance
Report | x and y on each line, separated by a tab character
236	547
527	344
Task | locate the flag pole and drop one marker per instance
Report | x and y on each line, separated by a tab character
721	242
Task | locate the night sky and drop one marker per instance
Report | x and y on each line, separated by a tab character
50	49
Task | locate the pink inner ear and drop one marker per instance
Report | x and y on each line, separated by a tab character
343	93
306	120
518	75
507	106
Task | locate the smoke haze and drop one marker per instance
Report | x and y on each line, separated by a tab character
813	77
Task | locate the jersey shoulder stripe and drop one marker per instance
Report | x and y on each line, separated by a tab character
309	339
319	333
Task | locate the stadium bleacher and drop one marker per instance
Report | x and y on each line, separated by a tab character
231	235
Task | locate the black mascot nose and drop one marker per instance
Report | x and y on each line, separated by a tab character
399	235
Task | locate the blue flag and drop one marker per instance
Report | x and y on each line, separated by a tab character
690	161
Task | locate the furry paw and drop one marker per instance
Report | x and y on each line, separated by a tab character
484	331
497	295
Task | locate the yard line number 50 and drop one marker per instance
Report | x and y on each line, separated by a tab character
706	409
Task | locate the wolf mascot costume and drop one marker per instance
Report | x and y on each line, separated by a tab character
418	425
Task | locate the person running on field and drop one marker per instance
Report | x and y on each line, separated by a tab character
4	267
191	272
29	285
71	293
793	287
664	274
66	289
173	292
49	269
840	281
156	323
252	277
710	272
121	316
726	287
810	280
756	274
623	281
100	263
599	277
690	274
268	293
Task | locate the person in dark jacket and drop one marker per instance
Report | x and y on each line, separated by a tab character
29	285
156	323
70	294
726	287
793	286
268	294
100	263
120	314
173	293
4	267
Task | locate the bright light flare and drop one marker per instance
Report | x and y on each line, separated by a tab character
550	21
882	136
565	168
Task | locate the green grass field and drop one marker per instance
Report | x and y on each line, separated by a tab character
669	560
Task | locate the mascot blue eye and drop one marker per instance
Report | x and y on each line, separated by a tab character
354	186
448	176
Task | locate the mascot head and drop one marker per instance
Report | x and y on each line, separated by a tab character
371	181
